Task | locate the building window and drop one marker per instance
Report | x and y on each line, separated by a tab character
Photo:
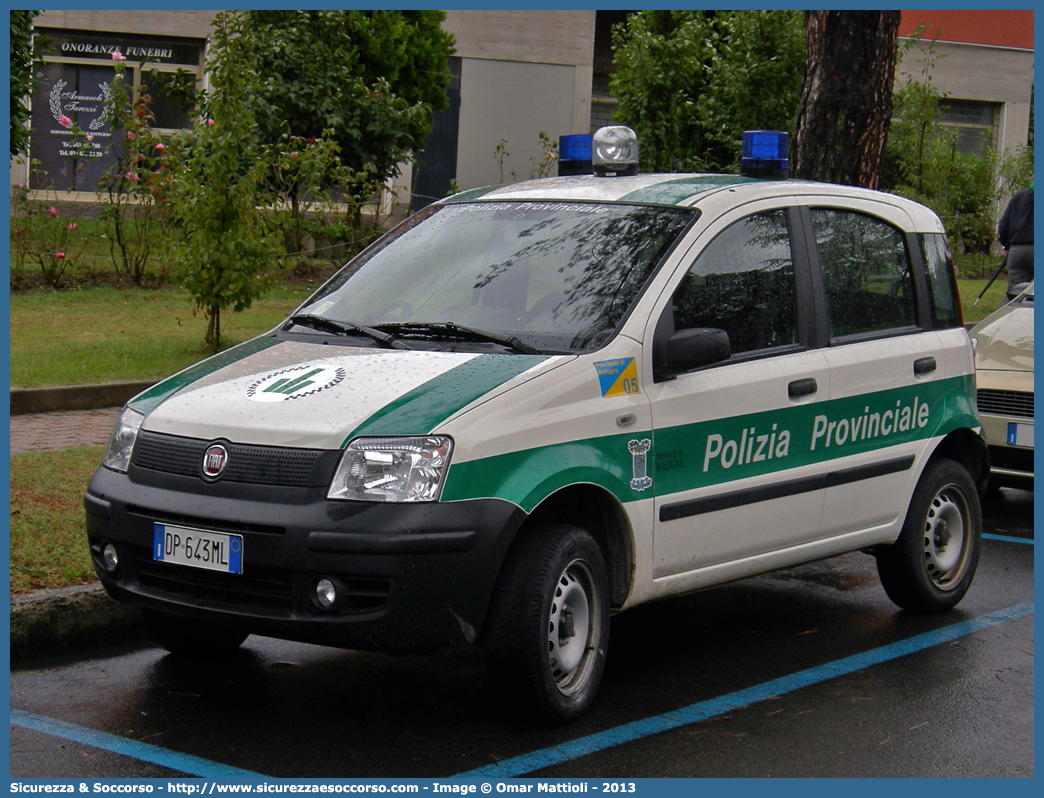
976	123
78	72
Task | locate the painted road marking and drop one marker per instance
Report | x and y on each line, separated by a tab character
1007	538
537	760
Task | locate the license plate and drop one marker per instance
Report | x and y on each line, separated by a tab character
197	548
1020	434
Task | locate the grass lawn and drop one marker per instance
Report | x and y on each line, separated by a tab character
104	334
48	541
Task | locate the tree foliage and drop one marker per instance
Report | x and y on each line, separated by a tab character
846	100
690	82
24	67
372	77
215	189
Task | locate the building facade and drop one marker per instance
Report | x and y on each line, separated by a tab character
521	78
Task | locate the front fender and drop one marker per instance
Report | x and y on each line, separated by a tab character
528	477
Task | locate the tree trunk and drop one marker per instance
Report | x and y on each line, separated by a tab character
846	101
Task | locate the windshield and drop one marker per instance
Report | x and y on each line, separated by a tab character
553	276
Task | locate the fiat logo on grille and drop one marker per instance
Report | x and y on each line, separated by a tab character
214	461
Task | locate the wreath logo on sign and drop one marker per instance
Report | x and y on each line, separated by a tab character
54	100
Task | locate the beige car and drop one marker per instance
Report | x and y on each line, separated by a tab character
1004	377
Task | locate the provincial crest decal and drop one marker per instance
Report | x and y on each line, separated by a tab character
640	464
294	383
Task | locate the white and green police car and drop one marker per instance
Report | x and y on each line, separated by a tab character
531	406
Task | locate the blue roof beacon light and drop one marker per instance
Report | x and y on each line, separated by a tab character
764	154
614	151
574	154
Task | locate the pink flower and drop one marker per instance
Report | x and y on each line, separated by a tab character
21	186
210	122
132	176
59	255
293	156
131	135
65	121
72	226
53	211
161	146
118	56
90	137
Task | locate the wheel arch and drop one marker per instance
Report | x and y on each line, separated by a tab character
969	449
599	512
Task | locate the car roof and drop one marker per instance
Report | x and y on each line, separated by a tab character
687	190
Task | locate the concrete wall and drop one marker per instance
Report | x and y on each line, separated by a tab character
190	24
987	74
523	73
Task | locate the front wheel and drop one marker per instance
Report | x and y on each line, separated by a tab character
931	565
548	626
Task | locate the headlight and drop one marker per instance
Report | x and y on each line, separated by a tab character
118	453
392	469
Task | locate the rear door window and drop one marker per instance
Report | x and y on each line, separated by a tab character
866	273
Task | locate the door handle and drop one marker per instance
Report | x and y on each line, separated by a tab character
925	365
800	388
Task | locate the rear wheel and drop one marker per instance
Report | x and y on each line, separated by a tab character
181	635
548	625
931	565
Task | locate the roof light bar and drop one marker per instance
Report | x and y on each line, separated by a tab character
765	154
574	154
614	151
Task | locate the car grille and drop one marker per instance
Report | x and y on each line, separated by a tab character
1006	403
1011	459
258	588
258	465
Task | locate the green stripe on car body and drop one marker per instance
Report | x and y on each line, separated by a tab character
472	194
671	192
691	456
425	407
148	400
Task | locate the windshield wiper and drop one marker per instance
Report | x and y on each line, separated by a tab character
346	328
455	330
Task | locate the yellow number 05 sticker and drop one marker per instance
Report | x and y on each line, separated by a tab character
618	377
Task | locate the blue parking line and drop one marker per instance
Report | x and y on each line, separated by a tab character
1007	538
537	760
153	754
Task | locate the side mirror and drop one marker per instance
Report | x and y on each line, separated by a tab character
692	349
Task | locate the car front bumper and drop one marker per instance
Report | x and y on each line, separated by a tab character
411	576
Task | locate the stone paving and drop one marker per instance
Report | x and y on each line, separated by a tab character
48	432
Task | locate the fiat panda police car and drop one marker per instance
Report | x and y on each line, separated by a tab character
531	406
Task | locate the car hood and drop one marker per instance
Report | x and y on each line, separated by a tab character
1004	341
282	393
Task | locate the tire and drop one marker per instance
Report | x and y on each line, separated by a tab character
931	565
547	630
181	635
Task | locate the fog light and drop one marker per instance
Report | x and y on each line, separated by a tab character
325	593
110	558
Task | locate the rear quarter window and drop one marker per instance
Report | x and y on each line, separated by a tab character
946	305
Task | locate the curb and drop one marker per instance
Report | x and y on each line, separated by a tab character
75	397
69	619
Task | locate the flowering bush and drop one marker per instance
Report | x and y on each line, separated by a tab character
42	233
135	186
